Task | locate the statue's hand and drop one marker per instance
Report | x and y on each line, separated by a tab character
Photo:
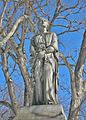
50	49
41	54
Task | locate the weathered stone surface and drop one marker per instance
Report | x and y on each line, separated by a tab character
41	112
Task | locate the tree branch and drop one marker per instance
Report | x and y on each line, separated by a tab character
2	16
80	66
7	104
13	30
72	75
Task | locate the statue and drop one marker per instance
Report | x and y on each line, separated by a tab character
43	62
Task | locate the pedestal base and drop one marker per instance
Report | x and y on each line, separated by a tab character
41	112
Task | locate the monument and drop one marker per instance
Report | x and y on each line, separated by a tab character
44	65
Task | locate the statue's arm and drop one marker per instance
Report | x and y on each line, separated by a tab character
32	48
32	53
54	44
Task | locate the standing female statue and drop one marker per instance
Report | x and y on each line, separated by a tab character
44	64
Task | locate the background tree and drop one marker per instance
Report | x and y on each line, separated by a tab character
18	19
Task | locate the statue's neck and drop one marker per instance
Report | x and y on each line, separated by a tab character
44	30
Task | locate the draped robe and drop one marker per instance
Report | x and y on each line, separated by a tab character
44	68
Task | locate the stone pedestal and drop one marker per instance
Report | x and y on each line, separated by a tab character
41	112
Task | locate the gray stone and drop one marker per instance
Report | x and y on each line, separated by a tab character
44	64
41	112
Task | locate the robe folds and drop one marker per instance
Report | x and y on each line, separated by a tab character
44	67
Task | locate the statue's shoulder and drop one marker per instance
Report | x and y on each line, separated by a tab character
51	33
34	38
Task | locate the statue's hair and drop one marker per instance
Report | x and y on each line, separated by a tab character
42	20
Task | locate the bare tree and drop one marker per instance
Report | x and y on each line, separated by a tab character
17	24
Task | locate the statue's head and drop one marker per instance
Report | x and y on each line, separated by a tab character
43	23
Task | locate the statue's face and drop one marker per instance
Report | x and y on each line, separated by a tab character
43	23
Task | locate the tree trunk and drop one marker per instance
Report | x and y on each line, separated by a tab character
10	84
20	59
27	82
77	100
